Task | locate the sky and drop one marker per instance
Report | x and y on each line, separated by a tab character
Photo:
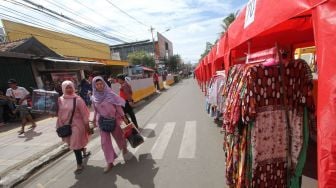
190	23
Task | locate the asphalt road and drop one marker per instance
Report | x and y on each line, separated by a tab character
183	148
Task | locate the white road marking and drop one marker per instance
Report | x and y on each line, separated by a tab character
188	145
161	143
151	127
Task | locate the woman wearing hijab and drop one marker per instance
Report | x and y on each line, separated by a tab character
107	104
80	121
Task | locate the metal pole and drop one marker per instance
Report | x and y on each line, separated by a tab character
154	55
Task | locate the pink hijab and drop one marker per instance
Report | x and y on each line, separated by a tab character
65	84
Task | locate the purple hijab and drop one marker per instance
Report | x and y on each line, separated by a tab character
106	95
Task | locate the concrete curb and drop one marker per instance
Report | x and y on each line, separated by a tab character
18	175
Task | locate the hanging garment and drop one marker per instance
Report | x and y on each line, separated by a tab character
263	105
255	127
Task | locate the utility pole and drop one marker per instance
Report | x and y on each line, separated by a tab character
154	55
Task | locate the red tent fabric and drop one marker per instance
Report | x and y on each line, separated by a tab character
288	24
292	23
324	17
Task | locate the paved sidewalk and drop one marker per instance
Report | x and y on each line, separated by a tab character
16	150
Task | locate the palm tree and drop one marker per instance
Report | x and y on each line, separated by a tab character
228	21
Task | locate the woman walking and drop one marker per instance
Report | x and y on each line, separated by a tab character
126	93
108	105
70	103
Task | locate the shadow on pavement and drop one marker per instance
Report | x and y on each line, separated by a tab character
30	134
149	132
138	172
15	123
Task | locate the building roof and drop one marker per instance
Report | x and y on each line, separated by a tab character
62	43
28	46
72	61
131	44
8	46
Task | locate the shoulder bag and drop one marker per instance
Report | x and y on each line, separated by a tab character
107	124
65	130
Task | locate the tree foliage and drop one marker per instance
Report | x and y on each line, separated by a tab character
208	47
141	58
173	63
228	21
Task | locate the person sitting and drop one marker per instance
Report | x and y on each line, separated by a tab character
5	102
21	95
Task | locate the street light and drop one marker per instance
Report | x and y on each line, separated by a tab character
166	30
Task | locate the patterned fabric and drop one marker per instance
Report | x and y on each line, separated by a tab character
255	127
262	103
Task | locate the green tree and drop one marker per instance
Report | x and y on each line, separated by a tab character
141	58
208	47
228	21
173	63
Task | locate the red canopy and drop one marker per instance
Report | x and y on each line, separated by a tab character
289	24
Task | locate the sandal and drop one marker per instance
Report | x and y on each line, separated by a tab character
78	171
21	132
108	168
32	127
125	151
86	154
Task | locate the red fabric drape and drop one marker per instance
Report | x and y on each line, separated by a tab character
324	19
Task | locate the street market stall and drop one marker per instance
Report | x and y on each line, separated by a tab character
288	25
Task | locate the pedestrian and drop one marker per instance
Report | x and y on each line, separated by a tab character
70	103
5	102
48	86
85	89
164	78
108	105
21	95
156	81
126	93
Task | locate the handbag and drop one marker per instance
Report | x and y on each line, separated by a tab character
107	124
65	130
133	136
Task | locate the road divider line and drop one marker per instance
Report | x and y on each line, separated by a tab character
161	143
188	145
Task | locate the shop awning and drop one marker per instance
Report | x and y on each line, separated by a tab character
147	69
72	61
108	62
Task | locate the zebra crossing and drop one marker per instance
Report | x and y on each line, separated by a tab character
158	144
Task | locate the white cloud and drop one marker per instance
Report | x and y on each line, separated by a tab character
191	22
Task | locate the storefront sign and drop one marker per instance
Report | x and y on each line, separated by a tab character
59	77
250	12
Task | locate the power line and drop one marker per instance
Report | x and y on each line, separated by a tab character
87	46
72	21
52	26
76	25
94	11
115	6
65	8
